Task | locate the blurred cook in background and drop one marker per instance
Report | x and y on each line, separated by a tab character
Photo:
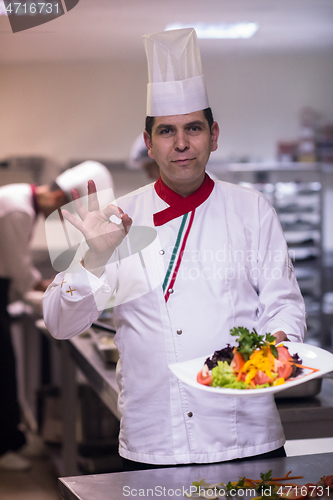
20	204
139	159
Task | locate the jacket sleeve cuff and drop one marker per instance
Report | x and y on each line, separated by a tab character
78	284
292	336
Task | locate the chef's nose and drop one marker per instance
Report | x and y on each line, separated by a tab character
181	141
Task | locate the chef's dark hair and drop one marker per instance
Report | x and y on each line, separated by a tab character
55	187
207	112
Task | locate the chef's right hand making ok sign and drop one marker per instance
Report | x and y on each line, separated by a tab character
102	235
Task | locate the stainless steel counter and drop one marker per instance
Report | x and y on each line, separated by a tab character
101	377
171	482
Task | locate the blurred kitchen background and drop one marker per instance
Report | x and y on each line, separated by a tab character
75	89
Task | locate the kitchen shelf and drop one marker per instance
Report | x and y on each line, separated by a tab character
296	192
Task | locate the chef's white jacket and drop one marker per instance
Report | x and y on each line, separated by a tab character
17	219
234	271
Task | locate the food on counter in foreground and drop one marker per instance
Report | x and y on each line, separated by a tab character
255	363
266	488
328	481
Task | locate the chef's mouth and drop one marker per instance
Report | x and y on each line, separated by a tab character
183	160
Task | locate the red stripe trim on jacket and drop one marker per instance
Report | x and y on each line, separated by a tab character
180	256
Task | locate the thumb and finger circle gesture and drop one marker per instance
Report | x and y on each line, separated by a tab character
101	235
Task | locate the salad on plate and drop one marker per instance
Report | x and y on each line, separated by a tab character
255	363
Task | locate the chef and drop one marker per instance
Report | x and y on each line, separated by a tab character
20	205
219	260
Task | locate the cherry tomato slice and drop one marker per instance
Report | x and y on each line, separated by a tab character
204	377
328	481
237	362
283	353
283	369
261	378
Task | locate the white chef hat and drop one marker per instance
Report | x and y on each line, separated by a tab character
78	177
176	84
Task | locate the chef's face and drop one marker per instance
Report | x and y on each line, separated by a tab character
181	145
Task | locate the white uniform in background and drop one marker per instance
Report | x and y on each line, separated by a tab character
18	212
230	268
17	219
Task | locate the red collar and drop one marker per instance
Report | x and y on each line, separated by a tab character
180	205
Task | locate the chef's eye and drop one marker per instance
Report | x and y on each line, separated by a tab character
165	131
195	128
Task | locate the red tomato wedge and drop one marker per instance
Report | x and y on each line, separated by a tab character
328	481
283	353
237	362
261	378
283	369
292	493
204	377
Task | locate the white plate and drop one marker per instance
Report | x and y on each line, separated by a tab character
311	356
